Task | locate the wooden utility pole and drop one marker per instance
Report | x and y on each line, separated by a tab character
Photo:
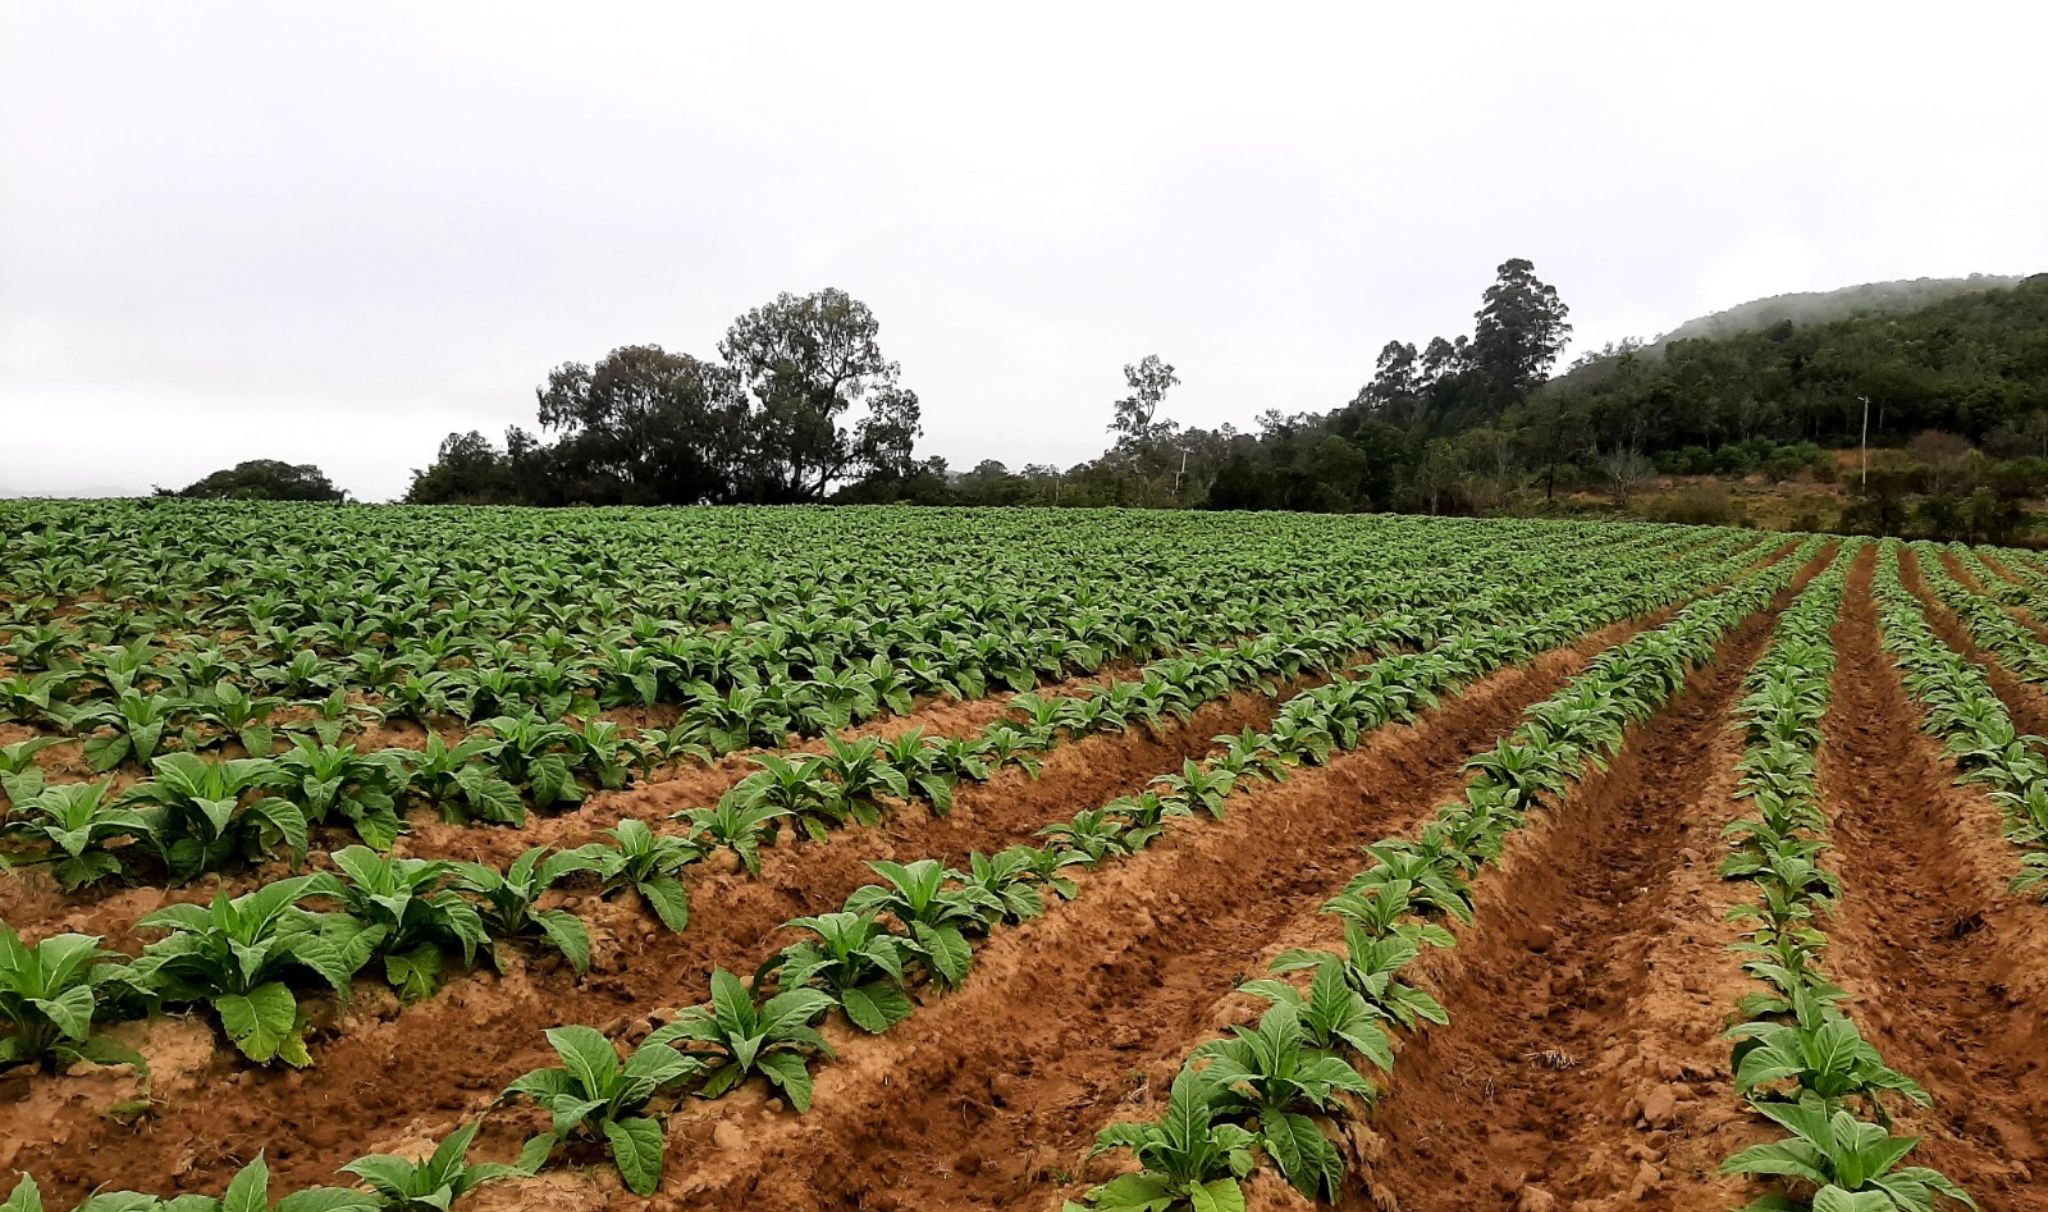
1866	440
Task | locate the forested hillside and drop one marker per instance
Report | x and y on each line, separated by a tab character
1821	306
1974	364
803	406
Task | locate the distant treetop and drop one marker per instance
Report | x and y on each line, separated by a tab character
263	480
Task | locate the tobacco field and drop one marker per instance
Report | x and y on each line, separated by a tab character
885	859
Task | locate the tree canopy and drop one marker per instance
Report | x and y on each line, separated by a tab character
773	421
263	480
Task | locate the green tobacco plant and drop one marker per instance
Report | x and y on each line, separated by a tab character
336	714
1819	1051
49	994
203	814
652	748
936	916
729	721
402	909
1191	1162
734	1037
507	899
35	697
1852	1166
1206	788
21	780
1530	771
1371	966
599	749
1787	959
238	956
855	959
327	780
433	1185
1428	882
460	781
1002	888
248	1191
915	755
538	755
593	1097
649	863
1275	1076
737	825
2033	876
1333	1015
1045	864
1003	745
864	774
799	788
73	824
1092	836
1142	817
233	713
134	724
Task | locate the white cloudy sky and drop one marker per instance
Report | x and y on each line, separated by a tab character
335	233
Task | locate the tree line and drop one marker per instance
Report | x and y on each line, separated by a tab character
801	405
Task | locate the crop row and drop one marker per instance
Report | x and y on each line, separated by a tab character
915	927
1799	1059
126	679
409	913
2024	583
1995	631
197	815
1266	1094
1960	709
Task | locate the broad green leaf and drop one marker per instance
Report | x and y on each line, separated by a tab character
260	1021
637	1148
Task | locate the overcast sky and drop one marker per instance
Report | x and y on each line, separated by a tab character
334	233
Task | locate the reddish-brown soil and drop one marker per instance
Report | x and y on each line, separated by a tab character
36	907
1582	1066
1950	971
984	1095
1975	584
2027	704
456	1051
690	785
976	1102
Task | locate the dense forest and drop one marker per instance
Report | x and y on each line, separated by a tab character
1821	306
801	405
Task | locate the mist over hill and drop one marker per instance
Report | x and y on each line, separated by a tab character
1821	306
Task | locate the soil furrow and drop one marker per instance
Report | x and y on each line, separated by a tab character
971	1103
1975	584
35	906
456	1051
697	786
1950	970
1582	1066
2027	705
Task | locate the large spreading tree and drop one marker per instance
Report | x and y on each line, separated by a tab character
802	400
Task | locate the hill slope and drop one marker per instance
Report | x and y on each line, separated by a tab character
1817	307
